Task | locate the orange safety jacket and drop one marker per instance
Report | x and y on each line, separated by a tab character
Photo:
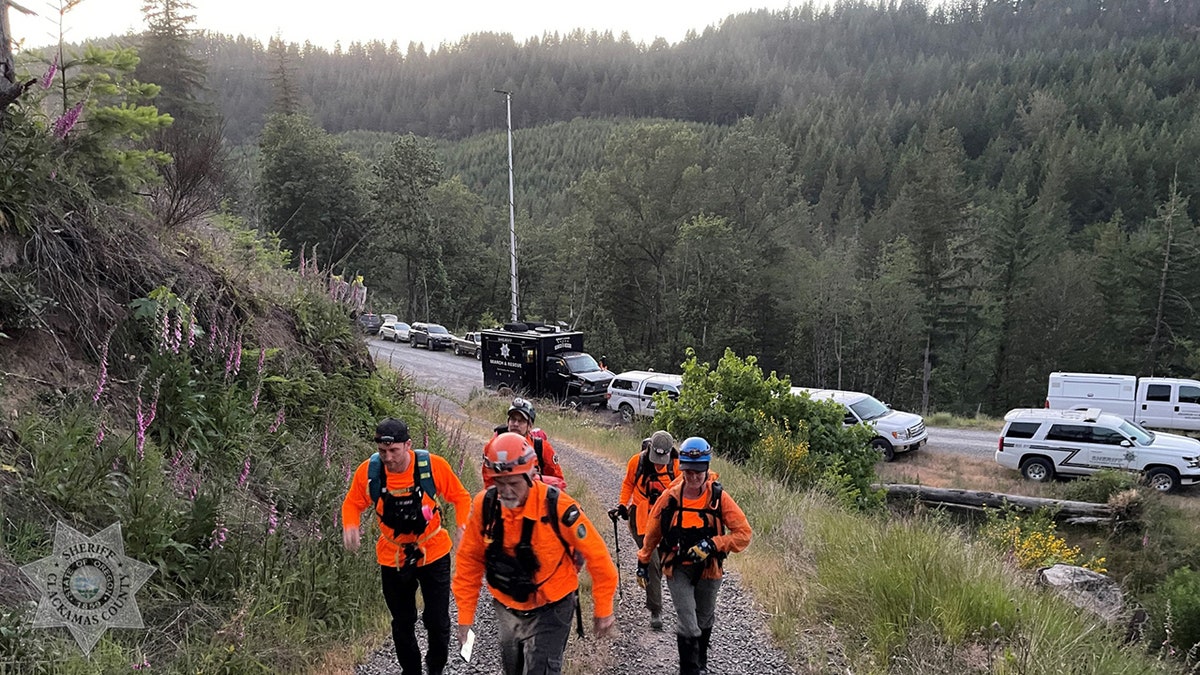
556	572
633	489
548	467
733	530
434	542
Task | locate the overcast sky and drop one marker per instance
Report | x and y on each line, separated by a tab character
429	21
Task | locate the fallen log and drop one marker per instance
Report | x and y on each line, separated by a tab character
976	498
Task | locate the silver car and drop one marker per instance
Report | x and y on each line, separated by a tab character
396	331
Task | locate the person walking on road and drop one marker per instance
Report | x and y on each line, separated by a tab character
648	474
694	525
522	536
521	416
413	550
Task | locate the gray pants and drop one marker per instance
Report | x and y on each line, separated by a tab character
695	605
654	581
532	643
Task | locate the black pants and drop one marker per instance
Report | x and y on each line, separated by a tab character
400	592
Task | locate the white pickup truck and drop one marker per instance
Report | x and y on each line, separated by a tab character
1154	402
895	430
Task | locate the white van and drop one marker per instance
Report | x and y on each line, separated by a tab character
1155	402
895	430
1043	443
632	393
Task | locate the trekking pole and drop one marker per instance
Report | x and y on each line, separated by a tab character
612	515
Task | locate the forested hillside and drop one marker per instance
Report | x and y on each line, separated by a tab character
940	205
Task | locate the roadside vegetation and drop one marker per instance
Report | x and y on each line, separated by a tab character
854	584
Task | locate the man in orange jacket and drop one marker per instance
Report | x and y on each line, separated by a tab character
647	476
520	421
694	525
413	548
522	536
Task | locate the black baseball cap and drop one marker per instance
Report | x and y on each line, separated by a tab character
391	430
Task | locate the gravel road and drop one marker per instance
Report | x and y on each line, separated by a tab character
740	642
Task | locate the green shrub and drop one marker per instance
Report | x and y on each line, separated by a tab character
1178	603
1099	487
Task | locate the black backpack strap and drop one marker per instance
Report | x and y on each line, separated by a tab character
537	449
552	515
491	511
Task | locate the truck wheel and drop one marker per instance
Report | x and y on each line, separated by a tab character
505	390
1037	469
626	411
885	449
1162	479
572	403
412	343
478	354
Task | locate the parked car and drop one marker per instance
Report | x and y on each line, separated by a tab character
370	323
430	335
469	343
1043	443
1155	402
895	430
396	331
632	393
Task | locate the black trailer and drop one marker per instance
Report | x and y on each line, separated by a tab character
542	361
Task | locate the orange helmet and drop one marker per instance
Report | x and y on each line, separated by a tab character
508	454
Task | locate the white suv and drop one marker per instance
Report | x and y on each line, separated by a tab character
1041	443
632	393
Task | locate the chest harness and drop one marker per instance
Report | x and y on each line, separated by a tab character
514	574
677	539
649	479
404	512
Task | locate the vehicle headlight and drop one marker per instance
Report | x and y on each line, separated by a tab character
901	435
1192	462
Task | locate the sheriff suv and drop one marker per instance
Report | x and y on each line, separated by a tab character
1042	443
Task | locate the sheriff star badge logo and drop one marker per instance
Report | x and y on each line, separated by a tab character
88	584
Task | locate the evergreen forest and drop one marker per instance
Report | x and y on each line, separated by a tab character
938	203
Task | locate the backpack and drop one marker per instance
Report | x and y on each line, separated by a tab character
422	475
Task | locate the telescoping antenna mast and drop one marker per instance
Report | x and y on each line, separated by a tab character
512	220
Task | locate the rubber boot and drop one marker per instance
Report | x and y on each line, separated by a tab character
705	637
689	654
656	621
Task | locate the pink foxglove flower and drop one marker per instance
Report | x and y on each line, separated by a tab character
325	443
191	329
262	359
278	421
257	394
272	520
164	334
245	472
212	334
177	333
103	379
63	125
237	357
99	432
48	78
219	534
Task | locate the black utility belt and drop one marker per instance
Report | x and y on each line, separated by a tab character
528	613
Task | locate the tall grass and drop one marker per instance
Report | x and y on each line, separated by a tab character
897	594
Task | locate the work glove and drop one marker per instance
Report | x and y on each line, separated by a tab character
643	574
701	551
619	512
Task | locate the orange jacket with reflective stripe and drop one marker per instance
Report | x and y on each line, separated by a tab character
549	467
435	542
556	566
734	528
634	488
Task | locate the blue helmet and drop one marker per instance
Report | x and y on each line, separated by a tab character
694	451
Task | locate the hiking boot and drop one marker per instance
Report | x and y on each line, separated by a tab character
655	621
